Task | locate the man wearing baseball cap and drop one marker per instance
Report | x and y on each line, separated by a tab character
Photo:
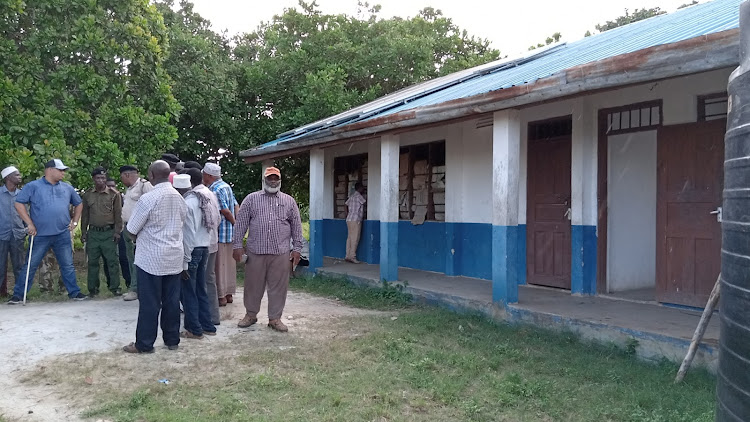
272	221
49	199
12	230
101	225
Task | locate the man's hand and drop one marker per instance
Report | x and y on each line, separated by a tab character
72	226
295	257
31	229
83	237
185	275
237	255
116	237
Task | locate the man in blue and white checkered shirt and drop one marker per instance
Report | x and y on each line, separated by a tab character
226	268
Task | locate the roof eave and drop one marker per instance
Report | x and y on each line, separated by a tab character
695	55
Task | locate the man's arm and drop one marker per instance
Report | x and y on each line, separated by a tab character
240	228
295	222
84	219
21	209
190	228
228	215
118	216
76	216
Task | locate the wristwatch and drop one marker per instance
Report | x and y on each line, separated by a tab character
75	223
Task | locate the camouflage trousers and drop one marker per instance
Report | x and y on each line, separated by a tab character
48	272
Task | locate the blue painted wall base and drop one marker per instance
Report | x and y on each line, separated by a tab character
388	251
504	264
316	244
583	260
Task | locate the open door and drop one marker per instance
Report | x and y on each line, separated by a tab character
690	180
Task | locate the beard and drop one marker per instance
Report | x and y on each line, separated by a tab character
271	188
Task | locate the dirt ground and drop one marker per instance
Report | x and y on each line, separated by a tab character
35	338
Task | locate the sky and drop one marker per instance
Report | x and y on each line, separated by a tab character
511	26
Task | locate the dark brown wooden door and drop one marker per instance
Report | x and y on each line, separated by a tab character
547	217
690	163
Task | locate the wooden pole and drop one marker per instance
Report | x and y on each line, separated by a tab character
713	299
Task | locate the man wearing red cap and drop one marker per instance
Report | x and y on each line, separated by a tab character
271	219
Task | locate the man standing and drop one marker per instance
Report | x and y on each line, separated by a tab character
122	252
271	218
173	161
156	223
213	247
226	269
354	214
201	219
101	224
12	230
136	187
51	225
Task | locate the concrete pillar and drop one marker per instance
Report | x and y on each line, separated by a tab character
583	199
389	160
506	145
317	206
369	244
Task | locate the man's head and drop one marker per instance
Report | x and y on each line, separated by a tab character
272	180
128	175
111	183
196	177
158	172
359	187
100	178
181	182
193	165
211	173
11	176
54	170
171	159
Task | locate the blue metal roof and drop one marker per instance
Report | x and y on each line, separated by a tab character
694	21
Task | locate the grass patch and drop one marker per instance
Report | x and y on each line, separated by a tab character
390	296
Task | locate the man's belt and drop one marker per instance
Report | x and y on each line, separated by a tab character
102	228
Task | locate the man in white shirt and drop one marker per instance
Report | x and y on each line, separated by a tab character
157	224
202	219
136	187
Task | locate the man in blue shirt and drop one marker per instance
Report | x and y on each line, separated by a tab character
12	230
49	199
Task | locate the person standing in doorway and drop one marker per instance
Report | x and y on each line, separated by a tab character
157	223
271	219
12	229
136	188
101	225
226	269
49	199
354	214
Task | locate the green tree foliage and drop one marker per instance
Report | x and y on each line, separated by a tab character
692	3
552	38
304	65
627	18
83	80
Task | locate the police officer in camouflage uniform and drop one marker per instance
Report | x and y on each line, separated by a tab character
101	226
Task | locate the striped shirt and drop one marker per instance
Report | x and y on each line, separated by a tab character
270	220
356	210
227	201
157	220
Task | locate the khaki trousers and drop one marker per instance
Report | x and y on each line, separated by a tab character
226	271
352	241
266	271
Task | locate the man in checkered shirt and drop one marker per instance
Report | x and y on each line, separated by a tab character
156	225
271	218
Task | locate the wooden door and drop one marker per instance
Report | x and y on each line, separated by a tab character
547	216
690	179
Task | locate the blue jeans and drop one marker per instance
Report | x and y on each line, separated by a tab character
157	294
62	245
14	248
194	297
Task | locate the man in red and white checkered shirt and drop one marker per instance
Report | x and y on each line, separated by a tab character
271	219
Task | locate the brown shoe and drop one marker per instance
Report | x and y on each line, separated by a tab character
222	301
130	348
277	325
188	334
247	321
229	298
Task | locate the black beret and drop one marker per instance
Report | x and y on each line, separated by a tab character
99	170
193	165
170	158
123	169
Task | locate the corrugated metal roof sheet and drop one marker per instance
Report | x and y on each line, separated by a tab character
701	19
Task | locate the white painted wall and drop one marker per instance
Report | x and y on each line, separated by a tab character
631	235
506	146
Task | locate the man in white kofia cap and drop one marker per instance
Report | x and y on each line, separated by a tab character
12	229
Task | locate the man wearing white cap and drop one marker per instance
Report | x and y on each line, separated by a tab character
12	230
49	199
226	268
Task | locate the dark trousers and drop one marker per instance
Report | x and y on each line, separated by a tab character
194	297
157	294
124	264
101	244
13	249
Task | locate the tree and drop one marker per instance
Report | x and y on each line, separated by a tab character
553	38
304	65
692	3
203	82
627	18
83	81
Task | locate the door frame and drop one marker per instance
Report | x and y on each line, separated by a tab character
602	198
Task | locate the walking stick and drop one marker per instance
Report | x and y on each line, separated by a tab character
713	300
28	267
